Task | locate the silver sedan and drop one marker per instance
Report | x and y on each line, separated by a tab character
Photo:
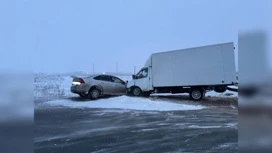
97	85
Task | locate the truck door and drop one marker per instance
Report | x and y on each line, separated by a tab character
142	80
150	83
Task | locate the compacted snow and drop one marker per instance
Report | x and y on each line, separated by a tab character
125	102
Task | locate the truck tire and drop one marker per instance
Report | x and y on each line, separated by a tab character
136	91
94	93
196	94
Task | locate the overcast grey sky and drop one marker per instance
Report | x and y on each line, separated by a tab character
66	35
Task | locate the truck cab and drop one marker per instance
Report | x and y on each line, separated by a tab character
141	82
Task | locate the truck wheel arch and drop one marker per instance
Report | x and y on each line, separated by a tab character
132	87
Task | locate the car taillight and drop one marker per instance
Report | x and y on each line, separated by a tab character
78	81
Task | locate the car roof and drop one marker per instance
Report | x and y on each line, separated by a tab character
94	75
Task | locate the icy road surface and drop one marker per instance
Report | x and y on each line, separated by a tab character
128	124
66	123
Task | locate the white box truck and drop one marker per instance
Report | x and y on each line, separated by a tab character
193	70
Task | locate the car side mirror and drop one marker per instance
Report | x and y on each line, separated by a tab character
133	77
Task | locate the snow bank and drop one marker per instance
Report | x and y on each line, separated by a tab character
225	94
125	102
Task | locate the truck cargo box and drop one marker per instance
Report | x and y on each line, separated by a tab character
207	65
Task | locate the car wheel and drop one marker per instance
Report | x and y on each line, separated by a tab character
136	91
94	94
196	94
83	95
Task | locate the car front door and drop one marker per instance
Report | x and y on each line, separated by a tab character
119	85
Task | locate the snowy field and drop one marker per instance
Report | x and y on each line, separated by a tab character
64	122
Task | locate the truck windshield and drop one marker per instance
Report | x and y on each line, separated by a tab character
143	73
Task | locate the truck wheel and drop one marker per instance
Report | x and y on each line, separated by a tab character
196	94
94	94
136	91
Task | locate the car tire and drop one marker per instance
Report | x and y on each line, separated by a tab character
196	94
94	94
136	91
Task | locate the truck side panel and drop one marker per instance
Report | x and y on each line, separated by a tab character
162	70
208	65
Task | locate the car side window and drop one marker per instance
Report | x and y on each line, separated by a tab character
116	80
97	77
105	78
